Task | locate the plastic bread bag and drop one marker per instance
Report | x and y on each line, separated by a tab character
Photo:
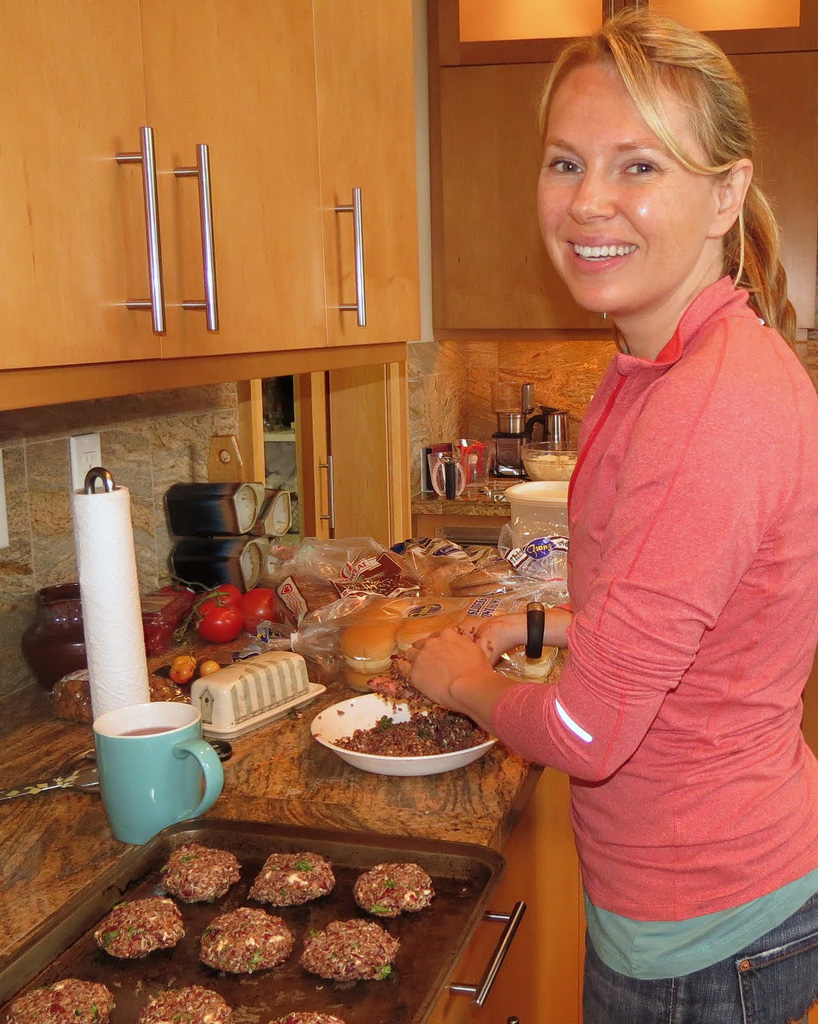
320	572
448	570
359	636
542	559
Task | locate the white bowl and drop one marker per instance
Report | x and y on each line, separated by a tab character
363	712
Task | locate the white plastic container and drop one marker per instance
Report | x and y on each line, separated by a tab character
537	507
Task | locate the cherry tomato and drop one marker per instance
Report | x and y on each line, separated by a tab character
224	596
220	625
206	668
256	606
182	668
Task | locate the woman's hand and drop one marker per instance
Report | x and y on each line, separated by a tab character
497	634
452	669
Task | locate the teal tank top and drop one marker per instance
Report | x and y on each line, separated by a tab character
668	949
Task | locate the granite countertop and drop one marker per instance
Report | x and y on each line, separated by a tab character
53	845
479	504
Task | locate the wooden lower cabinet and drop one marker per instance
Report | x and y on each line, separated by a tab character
541	978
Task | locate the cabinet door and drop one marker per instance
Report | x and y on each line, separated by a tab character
73	247
238	75
726	22
541	979
491	269
352	447
782	25
787	160
368	442
366	103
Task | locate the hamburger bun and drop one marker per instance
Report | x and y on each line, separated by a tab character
386	608
537	668
358	680
367	646
423	626
480	582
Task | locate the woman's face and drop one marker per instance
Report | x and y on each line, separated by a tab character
633	233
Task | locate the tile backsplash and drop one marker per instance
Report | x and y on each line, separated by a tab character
450	384
147	442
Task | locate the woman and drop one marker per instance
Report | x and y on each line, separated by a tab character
693	563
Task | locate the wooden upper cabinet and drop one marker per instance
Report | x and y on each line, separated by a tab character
786	163
366	121
490	268
239	77
799	30
73	246
81	78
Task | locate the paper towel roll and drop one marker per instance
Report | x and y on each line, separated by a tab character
111	609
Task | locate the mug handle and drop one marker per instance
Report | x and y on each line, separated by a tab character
211	769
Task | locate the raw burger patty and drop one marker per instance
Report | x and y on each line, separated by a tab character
290	878
389	889
137	928
78	1002
350	950
308	1018
193	1005
195	873
245	940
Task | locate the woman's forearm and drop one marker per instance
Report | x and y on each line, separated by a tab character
498	635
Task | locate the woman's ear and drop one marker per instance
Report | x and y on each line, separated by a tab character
730	192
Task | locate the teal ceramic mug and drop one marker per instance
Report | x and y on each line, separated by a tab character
154	768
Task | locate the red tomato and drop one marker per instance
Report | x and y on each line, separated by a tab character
220	625
256	606
223	596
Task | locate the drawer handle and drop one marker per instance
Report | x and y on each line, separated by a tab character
359	306
210	305
147	157
481	990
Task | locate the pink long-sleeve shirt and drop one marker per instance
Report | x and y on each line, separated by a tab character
693	571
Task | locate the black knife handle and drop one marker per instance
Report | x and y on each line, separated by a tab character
535	629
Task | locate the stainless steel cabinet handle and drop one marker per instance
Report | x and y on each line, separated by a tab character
211	299
147	157
360	285
331	478
481	990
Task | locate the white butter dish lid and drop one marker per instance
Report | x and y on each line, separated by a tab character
251	693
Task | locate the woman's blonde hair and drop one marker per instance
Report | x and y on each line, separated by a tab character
648	51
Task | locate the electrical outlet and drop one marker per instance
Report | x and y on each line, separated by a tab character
4	521
85	454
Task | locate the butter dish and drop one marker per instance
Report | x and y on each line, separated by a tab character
251	693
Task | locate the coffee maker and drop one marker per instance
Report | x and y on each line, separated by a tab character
550	425
511	403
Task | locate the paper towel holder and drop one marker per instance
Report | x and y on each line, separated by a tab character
98	474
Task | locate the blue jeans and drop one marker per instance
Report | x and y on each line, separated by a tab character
772	981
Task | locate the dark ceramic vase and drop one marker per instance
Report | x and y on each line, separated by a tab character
54	643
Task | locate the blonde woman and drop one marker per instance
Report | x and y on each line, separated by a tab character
693	556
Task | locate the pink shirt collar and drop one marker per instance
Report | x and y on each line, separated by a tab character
715	298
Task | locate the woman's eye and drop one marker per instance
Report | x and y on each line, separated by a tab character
640	168
563	166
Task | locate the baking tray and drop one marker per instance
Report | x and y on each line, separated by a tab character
432	940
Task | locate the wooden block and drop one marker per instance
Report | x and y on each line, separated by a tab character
224	463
